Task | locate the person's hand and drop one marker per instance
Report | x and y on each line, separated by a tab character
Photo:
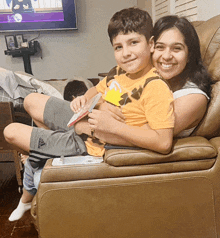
115	112
78	103
103	121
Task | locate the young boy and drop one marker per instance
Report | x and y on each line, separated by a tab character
134	86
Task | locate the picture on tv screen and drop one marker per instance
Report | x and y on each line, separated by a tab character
32	15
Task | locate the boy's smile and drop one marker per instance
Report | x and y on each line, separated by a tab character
132	53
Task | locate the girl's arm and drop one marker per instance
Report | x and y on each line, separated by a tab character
189	111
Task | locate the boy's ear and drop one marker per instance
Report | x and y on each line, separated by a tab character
151	43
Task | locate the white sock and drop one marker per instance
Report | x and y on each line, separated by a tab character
19	211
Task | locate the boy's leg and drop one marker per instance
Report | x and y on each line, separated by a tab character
48	112
34	104
29	191
18	135
22	207
26	197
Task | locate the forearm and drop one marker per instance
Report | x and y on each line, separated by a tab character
112	139
83	127
90	93
145	137
156	140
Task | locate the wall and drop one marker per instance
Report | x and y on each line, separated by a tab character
84	52
208	9
146	5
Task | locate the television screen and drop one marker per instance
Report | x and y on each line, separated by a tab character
37	15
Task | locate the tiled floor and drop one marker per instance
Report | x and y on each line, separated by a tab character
9	198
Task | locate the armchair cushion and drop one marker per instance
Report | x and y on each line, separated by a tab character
210	124
194	148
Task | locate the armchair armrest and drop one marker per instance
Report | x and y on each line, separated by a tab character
188	154
191	148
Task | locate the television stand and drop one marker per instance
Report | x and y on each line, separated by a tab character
25	53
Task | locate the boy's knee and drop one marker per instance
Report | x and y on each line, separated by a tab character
29	100
35	103
10	132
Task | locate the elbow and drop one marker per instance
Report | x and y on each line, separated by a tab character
165	147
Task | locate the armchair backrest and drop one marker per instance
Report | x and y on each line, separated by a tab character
209	35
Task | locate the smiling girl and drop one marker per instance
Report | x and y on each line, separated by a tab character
177	57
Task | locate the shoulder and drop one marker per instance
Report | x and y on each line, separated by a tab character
157	84
113	72
157	90
189	88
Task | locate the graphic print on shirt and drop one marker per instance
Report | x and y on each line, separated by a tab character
115	95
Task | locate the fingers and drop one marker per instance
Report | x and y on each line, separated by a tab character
118	117
113	110
101	120
93	119
78	103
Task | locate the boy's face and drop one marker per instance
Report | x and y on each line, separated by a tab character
132	53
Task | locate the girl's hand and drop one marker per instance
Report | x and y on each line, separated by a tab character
78	103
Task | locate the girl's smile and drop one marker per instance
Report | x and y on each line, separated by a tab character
170	53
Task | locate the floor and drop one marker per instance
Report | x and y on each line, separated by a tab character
9	198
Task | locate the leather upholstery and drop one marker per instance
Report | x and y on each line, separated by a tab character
140	193
209	35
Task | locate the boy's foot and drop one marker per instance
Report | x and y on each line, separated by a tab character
19	211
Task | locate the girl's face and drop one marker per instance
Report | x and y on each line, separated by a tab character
170	53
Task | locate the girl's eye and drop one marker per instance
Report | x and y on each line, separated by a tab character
159	47
176	49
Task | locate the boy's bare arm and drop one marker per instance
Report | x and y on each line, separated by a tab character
84	127
157	140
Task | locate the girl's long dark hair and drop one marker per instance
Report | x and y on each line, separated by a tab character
194	71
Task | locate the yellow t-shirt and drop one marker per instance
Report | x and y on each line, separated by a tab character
144	100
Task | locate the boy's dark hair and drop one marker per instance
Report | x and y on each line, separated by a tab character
130	20
74	89
194	71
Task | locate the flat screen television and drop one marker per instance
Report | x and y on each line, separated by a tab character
37	15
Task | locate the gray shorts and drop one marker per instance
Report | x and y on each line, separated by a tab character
59	140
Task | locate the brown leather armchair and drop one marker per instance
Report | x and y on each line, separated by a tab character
140	193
